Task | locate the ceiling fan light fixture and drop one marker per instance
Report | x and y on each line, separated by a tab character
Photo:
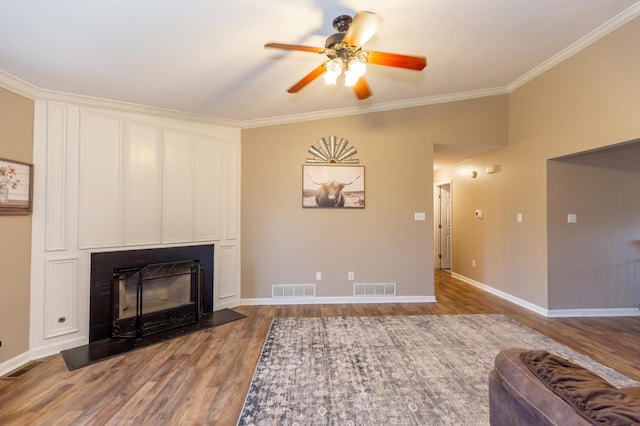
344	55
354	70
334	69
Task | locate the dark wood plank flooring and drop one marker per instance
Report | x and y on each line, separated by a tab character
202	378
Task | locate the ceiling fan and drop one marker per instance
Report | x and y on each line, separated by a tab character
345	54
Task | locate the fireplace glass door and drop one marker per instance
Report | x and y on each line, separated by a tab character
155	298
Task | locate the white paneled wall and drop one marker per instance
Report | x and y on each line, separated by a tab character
143	174
207	180
101	177
61	297
57	178
177	187
109	179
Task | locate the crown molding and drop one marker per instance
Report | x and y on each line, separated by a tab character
595	35
33	92
385	106
16	85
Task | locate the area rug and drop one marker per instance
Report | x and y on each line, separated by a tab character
411	370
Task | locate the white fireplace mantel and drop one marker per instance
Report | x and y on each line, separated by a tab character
110	179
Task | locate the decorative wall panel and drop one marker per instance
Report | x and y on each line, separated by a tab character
232	190
101	140
207	189
61	297
177	187
143	144
56	178
227	284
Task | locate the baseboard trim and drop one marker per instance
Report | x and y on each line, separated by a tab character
550	313
501	294
14	363
617	312
40	352
43	351
335	300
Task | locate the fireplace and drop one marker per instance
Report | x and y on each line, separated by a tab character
155	298
136	293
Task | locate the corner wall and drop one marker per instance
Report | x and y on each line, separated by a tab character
595	262
588	101
16	143
284	243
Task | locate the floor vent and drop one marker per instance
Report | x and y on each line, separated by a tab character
293	290
374	289
23	370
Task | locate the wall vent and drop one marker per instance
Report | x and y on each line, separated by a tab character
374	289
293	290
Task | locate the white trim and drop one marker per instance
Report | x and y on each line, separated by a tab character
520	302
334	300
595	35
386	106
31	91
19	86
554	313
14	363
613	312
226	304
58	347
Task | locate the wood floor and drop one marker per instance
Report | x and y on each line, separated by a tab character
202	378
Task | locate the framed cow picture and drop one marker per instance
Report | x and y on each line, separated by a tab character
332	186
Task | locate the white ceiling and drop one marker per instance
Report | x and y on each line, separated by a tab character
206	57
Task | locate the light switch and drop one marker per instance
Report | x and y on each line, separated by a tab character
519	217
419	216
572	218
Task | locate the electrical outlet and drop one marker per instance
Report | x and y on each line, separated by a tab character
318	276
473	263
351	276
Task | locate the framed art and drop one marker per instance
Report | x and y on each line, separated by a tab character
16	187
333	186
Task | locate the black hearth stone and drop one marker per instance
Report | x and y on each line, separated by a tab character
107	348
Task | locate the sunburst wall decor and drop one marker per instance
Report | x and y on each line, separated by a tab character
332	152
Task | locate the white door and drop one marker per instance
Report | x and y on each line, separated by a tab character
444	226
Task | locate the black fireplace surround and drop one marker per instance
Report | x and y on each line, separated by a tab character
104	264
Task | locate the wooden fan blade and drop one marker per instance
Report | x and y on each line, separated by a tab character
295	47
363	27
308	78
362	89
396	60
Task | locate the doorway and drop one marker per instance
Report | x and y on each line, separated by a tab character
444	225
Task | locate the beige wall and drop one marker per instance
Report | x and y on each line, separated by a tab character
282	243
588	101
16	142
595	262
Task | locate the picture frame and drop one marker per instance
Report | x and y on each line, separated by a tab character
16	187
333	186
